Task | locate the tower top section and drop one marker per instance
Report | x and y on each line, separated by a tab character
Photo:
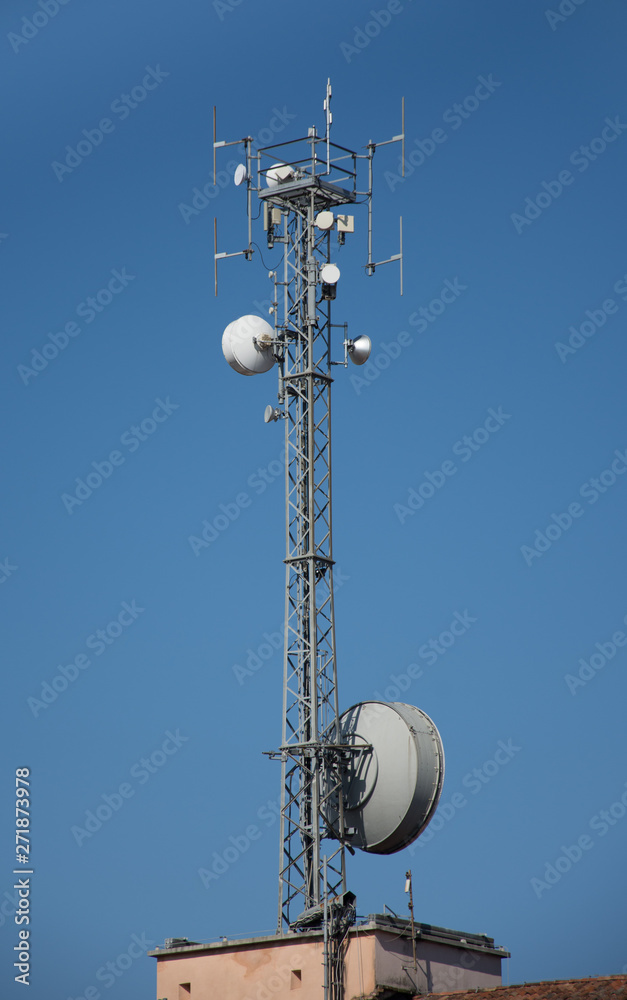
310	174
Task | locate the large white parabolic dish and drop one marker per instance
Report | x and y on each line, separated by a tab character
247	345
390	792
279	173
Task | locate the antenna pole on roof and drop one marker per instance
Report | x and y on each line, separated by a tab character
329	116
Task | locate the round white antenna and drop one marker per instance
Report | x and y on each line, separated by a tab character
359	349
330	273
324	220
247	345
271	413
240	175
279	173
391	790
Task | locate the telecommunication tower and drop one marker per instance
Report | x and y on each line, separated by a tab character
342	781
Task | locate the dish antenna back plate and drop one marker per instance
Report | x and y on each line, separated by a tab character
391	791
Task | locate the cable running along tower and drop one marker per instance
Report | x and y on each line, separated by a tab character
332	766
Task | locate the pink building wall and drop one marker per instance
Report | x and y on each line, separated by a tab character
291	967
262	972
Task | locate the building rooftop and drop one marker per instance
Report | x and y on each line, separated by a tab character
399	926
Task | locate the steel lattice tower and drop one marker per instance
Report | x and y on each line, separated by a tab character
310	757
312	176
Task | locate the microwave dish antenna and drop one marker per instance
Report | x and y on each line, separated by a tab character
240	174
247	345
359	349
392	790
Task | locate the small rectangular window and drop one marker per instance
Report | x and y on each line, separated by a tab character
185	991
296	979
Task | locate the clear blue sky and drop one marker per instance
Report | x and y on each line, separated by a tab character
540	664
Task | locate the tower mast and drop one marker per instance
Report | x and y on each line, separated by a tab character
301	185
310	760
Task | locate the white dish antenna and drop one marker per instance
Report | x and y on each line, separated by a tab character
271	413
391	791
279	173
324	220
247	345
330	274
240	175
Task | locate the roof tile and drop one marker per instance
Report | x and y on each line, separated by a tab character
598	988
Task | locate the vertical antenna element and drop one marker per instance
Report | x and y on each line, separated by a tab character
372	148
327	108
215	251
401	249
402	141
214	147
409	889
240	173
